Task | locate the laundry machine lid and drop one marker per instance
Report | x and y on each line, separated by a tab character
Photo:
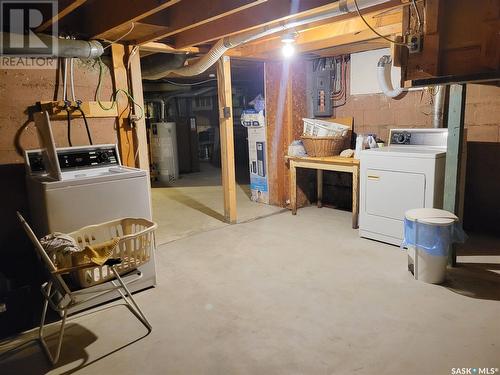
407	151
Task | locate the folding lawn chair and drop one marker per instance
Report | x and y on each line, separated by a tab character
58	295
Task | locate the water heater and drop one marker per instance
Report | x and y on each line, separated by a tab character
164	151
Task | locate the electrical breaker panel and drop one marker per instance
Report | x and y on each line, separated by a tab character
322	92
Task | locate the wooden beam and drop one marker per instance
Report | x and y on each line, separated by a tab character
65	8
264	14
333	34
184	16
104	17
123	127
353	48
227	138
165	48
57	110
141	146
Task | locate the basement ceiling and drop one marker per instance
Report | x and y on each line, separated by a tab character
192	26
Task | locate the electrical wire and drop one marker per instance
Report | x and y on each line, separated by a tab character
68	118
375	31
86	123
120	38
113	95
419	19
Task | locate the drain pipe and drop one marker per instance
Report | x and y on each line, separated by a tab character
65	48
341	7
384	77
438	107
162	107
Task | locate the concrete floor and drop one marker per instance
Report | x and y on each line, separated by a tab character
285	295
195	204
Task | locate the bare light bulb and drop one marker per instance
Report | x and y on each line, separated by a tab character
288	50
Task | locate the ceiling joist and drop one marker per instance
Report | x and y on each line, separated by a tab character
104	17
272	11
184	16
338	33
65	8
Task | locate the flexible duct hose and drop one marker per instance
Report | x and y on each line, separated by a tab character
384	80
215	53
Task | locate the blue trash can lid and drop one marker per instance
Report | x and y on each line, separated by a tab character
431	216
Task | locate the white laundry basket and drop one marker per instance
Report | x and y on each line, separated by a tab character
428	237
135	246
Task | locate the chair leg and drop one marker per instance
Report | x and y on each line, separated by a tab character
127	297
53	358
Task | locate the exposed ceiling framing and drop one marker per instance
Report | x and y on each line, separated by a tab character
192	26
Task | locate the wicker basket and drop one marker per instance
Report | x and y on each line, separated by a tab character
324	146
136	244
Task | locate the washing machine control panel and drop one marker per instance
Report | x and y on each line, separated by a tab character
71	158
401	138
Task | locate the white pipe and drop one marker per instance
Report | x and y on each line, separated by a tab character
72	78
384	77
342	7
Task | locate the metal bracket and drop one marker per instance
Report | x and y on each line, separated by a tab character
226	112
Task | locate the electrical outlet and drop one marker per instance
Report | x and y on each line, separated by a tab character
414	42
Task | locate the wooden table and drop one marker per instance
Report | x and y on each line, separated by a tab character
329	163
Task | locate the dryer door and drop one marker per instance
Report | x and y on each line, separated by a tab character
390	194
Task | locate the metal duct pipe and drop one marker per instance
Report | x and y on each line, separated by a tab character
384	77
62	47
438	107
159	65
341	7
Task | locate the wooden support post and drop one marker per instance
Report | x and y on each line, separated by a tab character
319	177
293	187
226	137
140	125
125	134
456	115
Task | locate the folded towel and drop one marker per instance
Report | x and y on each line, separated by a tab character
100	253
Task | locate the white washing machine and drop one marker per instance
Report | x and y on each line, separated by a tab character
93	188
408	173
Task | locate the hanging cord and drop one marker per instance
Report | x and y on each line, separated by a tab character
68	118
79	108
375	31
114	95
132	26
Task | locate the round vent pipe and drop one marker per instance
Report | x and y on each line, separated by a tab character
62	47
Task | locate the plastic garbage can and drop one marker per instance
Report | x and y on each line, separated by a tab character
428	235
